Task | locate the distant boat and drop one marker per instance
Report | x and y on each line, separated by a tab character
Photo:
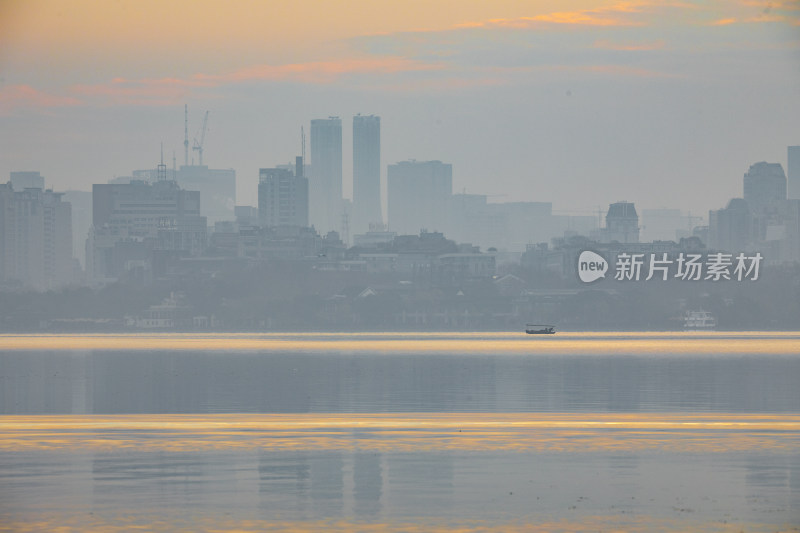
539	329
699	320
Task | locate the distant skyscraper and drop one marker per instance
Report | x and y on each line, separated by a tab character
27	179
366	172
793	170
81	221
732	229
764	186
419	195
35	237
283	196
325	182
622	223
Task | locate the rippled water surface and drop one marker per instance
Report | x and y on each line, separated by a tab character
401	432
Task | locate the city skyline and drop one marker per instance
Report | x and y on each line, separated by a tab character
578	103
226	179
359	265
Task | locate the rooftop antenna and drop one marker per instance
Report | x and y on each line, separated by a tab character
186	134
199	145
162	168
303	145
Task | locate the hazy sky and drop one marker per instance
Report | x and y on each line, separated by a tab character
581	103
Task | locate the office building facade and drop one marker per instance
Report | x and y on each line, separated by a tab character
217	188
325	182
732	229
622	224
132	221
764	186
27	179
283	196
35	238
366	173
793	171
419	196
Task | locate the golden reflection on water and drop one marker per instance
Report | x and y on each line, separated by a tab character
632	343
707	433
553	432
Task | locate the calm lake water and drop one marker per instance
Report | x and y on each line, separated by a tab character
401	432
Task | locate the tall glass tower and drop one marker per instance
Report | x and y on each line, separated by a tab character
325	179
793	171
366	172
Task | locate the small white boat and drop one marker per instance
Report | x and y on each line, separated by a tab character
699	320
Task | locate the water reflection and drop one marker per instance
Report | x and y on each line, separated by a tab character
399	432
52	382
420	432
367	483
399	491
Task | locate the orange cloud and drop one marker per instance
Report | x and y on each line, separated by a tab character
577	18
22	96
613	15
618	14
765	17
583	18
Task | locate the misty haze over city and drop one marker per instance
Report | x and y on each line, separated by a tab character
583	104
378	265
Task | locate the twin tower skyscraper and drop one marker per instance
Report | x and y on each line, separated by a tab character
327	210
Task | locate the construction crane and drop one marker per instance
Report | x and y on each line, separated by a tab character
691	220
186	134
199	145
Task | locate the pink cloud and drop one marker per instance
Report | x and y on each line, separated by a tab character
575	18
613	15
724	22
169	91
765	17
25	96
